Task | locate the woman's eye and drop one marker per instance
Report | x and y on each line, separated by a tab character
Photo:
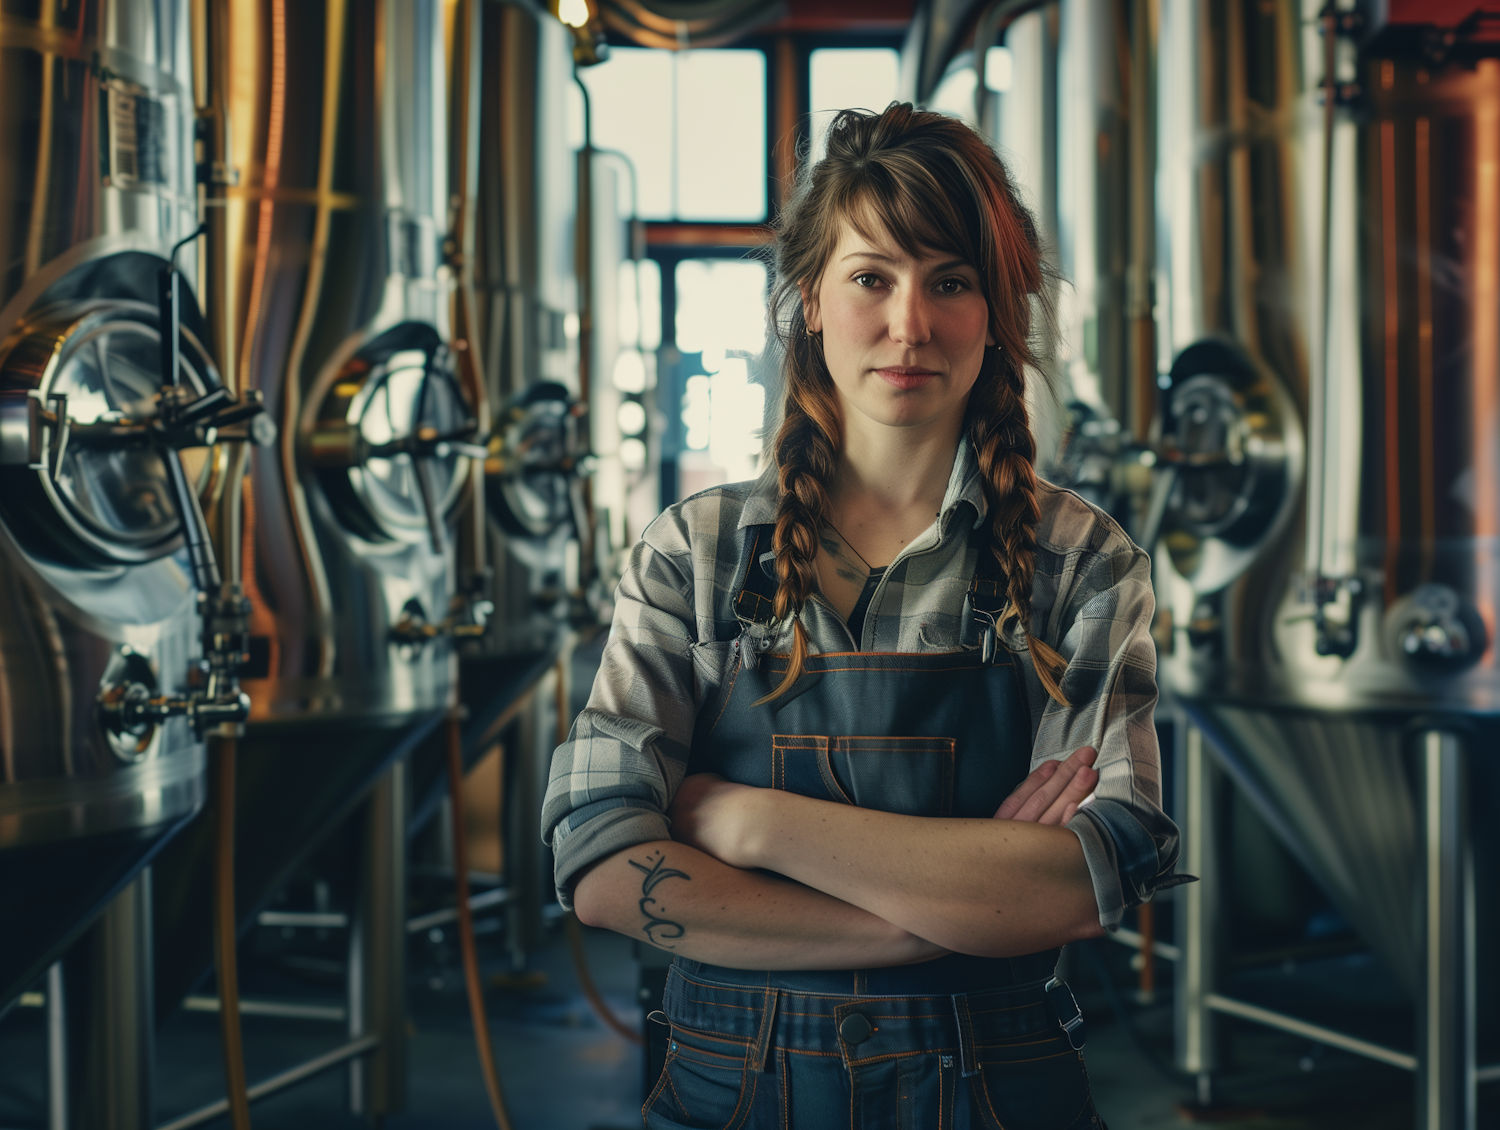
952	286
867	280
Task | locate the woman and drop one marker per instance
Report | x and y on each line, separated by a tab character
804	766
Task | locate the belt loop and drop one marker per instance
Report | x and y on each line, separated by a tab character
967	1061
760	1052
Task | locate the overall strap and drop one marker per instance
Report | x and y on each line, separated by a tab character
755	579
986	598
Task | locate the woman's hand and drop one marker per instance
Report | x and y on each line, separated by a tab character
715	816
1054	790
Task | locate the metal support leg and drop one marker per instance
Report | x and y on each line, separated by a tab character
57	1050
1197	910
1446	1085
526	865
377	953
110	1024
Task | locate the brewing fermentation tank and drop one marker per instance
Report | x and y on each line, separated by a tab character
1328	483
96	593
333	272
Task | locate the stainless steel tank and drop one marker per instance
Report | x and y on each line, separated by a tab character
336	296
96	593
1328	255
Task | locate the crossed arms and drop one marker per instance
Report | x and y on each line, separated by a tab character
765	879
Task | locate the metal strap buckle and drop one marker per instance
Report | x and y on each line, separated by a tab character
1069	1015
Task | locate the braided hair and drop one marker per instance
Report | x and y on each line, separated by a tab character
933	184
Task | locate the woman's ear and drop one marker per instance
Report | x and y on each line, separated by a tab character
811	314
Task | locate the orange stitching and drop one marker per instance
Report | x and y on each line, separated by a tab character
677	1098
663	1081
786	1105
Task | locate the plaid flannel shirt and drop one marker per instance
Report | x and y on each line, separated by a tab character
613	779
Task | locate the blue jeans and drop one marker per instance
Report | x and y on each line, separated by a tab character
764	1054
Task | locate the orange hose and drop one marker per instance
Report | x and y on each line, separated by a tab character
225	963
586	983
466	924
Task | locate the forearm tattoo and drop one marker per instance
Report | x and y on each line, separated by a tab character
659	930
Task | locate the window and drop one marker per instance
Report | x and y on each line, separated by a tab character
848	78
694	124
721	314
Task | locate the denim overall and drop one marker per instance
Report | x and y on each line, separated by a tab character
953	1043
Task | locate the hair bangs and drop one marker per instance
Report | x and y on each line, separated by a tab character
921	217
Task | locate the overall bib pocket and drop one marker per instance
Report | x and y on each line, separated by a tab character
909	776
704	1084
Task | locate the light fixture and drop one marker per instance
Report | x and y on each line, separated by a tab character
574	13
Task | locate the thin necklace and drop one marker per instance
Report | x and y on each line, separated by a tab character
868	567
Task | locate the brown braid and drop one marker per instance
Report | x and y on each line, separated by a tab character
932	183
1000	430
806	450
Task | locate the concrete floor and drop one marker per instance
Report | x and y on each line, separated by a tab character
563	1070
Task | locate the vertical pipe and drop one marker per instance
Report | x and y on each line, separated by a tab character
1485	408
466	924
57	1050
226	934
1142	172
110	1026
464	67
377	968
1390	279
1197	911
1427	484
1446	1084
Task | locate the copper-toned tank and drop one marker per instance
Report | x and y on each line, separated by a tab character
332	285
1330	250
96	138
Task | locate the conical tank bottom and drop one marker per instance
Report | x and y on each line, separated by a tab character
51	892
1337	791
296	781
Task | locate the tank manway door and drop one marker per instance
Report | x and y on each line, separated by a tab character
84	481
1230	463
392	439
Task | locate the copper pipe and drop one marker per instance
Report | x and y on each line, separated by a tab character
1486	290
1427	511
466	924
275	131
225	963
1391	283
1146	924
312	560
590	990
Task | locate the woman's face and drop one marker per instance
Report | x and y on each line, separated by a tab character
903	336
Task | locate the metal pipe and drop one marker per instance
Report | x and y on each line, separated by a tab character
276	1083
378	968
466	924
1446	1094
1270	1019
226	967
1197	911
57	1050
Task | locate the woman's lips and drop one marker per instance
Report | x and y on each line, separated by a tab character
905	378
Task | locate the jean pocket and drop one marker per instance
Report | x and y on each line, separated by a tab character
704	1084
1033	1086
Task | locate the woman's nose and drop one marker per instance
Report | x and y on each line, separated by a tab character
910	323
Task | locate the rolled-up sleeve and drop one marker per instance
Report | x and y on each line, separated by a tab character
612	780
1130	844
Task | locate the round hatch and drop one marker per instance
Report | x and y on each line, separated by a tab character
388	440
94	498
